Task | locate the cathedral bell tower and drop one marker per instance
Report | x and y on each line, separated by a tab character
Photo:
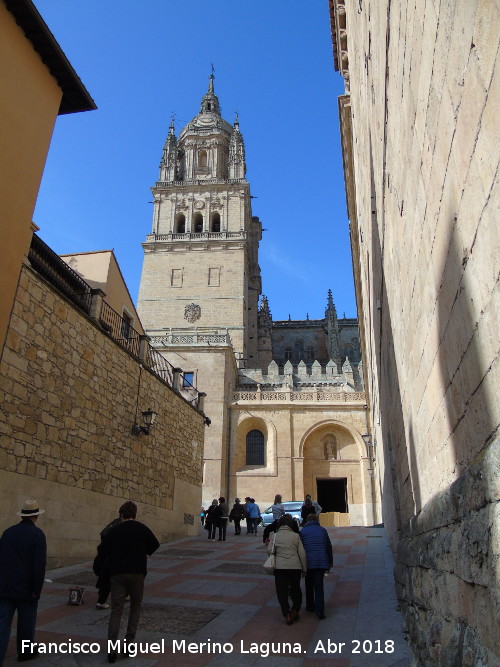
200	261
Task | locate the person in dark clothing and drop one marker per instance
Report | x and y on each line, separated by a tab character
211	520
236	515
223	516
319	555
103	581
23	557
125	549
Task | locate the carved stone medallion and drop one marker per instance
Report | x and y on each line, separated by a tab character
192	312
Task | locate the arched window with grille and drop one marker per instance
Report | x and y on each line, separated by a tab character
180	224
215	227
197	223
255	448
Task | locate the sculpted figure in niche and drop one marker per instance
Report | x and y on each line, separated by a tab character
330	447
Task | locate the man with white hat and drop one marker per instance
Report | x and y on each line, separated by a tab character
23	557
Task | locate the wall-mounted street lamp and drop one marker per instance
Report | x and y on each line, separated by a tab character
148	417
368	444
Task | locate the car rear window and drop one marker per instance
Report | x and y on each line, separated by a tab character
292	506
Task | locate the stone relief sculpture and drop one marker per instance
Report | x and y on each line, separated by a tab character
192	312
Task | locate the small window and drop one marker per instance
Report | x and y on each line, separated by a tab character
214	277
255	448
176	278
288	354
126	328
202	159
188	379
310	353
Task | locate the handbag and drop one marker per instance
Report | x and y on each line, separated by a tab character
270	563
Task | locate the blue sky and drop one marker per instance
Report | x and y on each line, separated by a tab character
141	61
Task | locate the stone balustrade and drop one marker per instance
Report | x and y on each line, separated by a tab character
315	395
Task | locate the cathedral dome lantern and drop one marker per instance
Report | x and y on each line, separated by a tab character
205	141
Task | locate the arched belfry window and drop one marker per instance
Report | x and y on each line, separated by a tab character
255	448
197	223
215	226
180	224
202	159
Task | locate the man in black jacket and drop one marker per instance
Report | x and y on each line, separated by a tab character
23	557
125	549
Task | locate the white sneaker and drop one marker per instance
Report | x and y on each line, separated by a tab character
102	606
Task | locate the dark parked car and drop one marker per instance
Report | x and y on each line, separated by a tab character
291	507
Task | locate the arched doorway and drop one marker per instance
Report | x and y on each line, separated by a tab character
335	473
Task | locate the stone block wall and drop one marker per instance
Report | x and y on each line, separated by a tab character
70	396
421	154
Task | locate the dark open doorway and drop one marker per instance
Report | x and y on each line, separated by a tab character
332	494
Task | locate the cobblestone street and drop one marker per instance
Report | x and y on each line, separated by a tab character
200	591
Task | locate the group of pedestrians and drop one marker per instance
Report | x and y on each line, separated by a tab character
218	515
306	552
121	565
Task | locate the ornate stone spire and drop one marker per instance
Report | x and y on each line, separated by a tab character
210	101
237	166
331	311
332	325
264	327
265	317
168	162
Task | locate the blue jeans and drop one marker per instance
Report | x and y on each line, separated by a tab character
26	621
253	525
315	595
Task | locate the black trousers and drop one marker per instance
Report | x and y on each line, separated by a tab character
237	527
288	582
222	525
315	595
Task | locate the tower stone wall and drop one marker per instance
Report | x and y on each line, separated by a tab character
199	301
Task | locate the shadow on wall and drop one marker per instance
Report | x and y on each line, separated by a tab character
466	538
445	567
445	570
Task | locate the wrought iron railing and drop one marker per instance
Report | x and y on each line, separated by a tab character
119	329
55	271
160	366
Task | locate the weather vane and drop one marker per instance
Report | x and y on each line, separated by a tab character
213	69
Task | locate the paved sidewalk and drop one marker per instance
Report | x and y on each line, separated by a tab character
216	592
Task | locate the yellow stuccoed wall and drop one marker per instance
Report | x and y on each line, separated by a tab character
29	103
69	396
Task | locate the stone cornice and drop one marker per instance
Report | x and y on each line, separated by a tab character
339	38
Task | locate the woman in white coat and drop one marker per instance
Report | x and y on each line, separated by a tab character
291	561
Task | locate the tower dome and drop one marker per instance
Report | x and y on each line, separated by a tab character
209	119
